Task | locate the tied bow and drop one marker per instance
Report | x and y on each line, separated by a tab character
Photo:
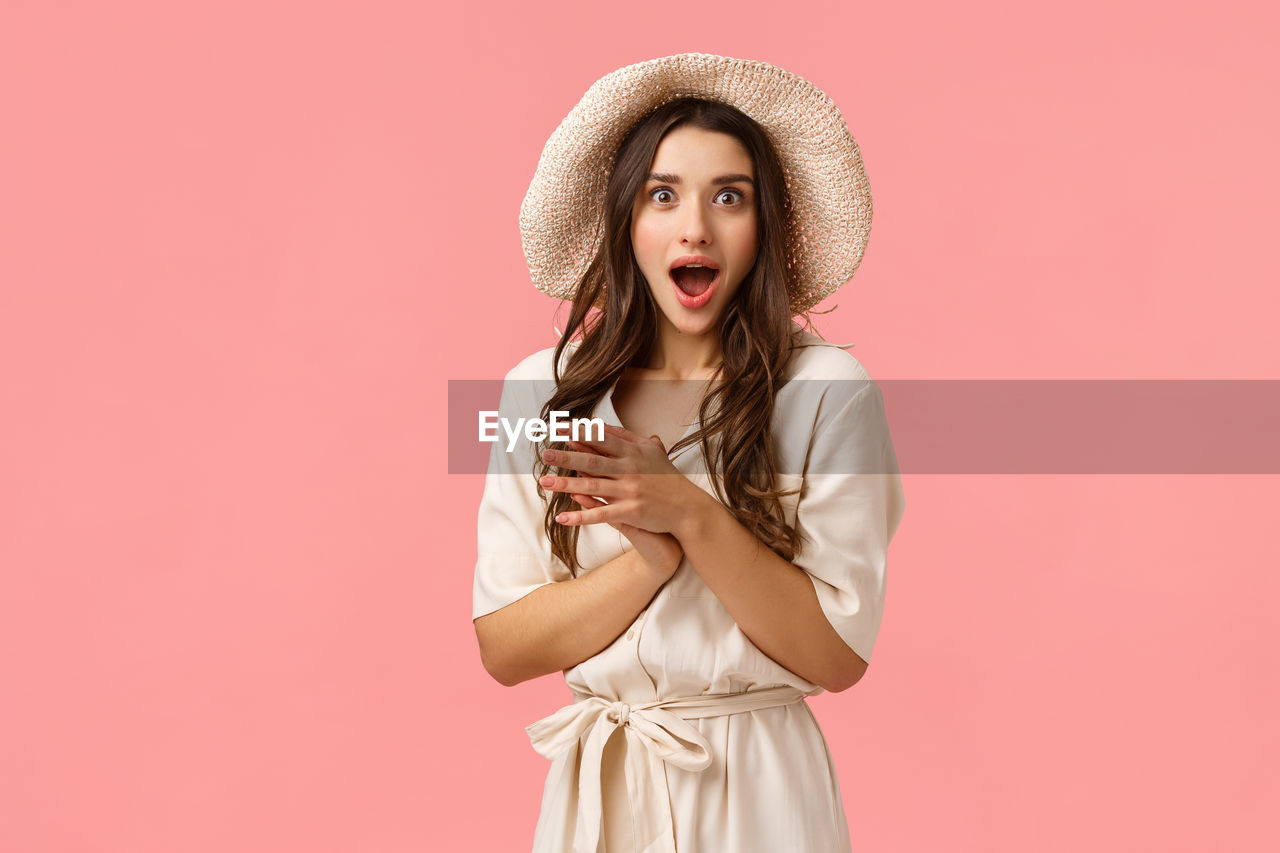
665	737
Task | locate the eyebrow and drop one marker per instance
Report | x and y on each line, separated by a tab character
665	178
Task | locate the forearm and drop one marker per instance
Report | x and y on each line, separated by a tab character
559	625
771	600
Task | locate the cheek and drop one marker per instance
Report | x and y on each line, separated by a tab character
648	247
745	242
645	237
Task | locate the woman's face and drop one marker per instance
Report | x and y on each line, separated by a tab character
697	206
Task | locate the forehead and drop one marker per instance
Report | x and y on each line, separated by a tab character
694	153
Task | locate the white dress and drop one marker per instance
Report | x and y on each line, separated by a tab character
629	777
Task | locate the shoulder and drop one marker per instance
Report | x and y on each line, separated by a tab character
529	384
823	381
538	365
532	381
812	358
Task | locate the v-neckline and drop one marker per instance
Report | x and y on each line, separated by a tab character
605	409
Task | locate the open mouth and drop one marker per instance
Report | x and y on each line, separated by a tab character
694	284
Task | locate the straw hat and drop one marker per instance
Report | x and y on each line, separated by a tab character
829	215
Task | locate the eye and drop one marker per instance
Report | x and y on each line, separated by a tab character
654	192
732	195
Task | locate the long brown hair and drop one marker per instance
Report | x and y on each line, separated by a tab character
755	332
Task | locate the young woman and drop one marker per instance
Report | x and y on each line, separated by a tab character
719	553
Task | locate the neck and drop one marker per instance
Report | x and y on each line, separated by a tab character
677	355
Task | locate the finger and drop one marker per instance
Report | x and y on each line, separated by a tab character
575	460
654	439
611	444
599	515
588	448
625	438
622	432
589	502
601	488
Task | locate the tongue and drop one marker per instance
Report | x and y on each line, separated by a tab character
693	280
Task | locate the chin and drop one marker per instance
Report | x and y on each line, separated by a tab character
695	329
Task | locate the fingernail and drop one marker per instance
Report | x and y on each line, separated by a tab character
547	481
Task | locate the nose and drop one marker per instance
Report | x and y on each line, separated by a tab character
695	229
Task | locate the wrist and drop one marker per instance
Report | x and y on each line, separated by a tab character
693	515
653	570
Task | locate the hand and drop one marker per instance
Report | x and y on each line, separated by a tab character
660	552
632	476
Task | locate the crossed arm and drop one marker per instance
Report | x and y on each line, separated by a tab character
772	601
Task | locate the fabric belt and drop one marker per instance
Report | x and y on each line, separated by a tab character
661	727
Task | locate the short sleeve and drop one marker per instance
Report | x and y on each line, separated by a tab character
513	554
848	512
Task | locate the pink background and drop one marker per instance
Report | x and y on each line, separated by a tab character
244	246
